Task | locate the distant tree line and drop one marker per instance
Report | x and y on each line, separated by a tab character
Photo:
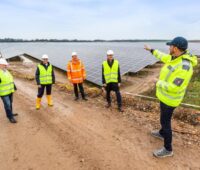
73	40
76	40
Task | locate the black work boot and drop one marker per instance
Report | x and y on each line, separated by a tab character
76	98
12	120
83	96
85	99
120	109
108	105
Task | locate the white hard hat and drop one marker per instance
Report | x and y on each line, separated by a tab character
110	52
45	56
3	61
74	53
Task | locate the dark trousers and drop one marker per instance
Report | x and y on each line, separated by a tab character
113	87
42	88
81	89
7	101
165	121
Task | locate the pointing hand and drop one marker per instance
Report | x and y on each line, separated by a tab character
147	47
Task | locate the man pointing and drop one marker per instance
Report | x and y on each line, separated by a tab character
174	78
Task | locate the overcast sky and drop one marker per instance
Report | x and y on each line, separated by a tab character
100	19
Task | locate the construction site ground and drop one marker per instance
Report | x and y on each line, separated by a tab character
87	136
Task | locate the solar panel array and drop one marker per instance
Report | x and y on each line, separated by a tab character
132	57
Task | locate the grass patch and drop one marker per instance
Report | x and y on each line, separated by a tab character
193	91
192	95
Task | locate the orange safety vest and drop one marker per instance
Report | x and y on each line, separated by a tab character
76	71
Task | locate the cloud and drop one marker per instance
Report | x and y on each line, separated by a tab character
91	19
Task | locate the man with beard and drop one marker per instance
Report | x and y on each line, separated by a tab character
174	78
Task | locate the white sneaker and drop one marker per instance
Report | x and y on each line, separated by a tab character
156	134
162	153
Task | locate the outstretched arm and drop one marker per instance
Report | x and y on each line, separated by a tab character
165	58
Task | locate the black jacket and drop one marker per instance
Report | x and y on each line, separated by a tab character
37	74
110	64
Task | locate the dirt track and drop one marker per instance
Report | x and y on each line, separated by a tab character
80	135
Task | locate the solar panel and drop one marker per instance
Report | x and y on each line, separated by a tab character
132	57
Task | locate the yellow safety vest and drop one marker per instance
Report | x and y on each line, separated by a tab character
7	84
45	76
111	73
174	77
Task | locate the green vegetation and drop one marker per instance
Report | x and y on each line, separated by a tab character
192	95
193	91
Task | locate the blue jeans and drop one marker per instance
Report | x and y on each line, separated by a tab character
7	101
165	121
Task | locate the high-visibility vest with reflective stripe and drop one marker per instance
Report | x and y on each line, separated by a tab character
76	71
45	76
111	73
7	84
174	77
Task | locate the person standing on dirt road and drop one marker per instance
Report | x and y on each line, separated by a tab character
111	79
76	74
174	78
45	77
7	88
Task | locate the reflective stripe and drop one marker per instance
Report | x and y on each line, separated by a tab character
113	79
186	62
172	69
7	84
49	75
46	80
71	66
165	87
160	55
167	95
108	78
74	71
6	90
45	76
3	85
186	65
77	78
111	73
174	78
